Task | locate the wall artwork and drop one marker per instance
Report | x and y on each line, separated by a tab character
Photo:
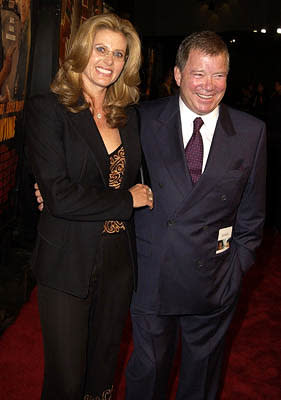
15	42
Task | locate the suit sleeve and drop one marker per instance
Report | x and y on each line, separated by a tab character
250	218
64	198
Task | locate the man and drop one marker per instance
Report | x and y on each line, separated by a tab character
201	236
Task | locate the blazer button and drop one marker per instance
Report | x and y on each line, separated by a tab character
223	197
200	264
161	185
205	228
171	222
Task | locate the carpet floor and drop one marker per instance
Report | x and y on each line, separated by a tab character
253	360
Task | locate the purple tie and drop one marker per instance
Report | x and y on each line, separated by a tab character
194	151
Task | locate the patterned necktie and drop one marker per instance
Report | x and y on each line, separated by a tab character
194	151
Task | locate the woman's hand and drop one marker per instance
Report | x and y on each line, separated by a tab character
39	198
142	196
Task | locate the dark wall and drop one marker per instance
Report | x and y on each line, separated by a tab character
176	18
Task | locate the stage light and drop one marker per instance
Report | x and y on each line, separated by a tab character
263	30
278	30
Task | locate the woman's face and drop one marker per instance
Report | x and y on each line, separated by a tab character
106	61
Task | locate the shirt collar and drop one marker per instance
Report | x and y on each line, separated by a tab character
188	116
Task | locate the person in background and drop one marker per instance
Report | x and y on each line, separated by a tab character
274	156
274	110
168	86
260	102
207	167
83	145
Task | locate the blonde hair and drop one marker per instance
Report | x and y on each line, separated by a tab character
124	91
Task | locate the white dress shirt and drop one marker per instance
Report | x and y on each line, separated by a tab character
207	130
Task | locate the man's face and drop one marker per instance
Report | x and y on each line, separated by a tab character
203	81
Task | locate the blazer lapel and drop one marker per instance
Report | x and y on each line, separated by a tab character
86	128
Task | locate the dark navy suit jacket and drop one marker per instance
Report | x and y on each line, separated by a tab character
180	271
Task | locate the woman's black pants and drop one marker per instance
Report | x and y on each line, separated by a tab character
82	336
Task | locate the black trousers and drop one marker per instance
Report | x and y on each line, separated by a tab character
82	336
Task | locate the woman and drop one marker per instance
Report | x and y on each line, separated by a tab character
83	144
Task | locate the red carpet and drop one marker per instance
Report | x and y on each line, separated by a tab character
253	367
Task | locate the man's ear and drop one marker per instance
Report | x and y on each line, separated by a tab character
177	75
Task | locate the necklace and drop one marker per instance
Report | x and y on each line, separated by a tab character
99	115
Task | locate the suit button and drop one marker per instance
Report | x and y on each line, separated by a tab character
223	197
171	222
200	264
161	185
205	228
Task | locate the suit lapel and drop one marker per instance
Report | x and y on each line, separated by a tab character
170	146
222	150
221	155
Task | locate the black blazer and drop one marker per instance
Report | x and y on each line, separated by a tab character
71	166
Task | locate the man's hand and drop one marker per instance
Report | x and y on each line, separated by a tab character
142	196
39	198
